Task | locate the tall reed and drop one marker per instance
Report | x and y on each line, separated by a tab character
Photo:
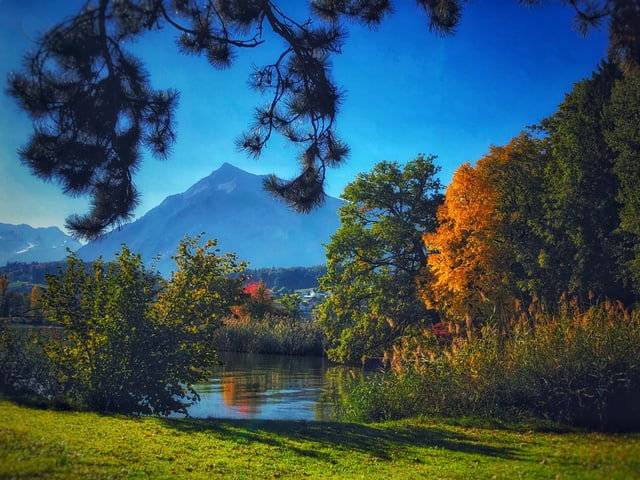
275	334
580	367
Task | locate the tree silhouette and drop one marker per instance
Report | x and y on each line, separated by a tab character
93	107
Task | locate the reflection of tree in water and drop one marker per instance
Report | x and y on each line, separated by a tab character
233	397
244	391
248	383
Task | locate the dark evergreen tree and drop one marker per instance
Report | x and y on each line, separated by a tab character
584	243
623	137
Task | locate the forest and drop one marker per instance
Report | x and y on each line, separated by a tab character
549	218
516	288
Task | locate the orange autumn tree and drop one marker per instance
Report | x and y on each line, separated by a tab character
465	271
478	254
259	301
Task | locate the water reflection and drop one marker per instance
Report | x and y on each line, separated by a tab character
276	387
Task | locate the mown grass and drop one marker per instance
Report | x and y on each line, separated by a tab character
50	444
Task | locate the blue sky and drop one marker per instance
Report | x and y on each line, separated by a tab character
407	92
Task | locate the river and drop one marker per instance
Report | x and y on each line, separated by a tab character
275	387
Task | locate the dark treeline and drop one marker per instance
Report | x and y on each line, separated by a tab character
275	278
31	273
288	278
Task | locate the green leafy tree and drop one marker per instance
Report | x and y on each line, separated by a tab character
203	288
132	343
105	310
291	305
374	259
94	109
516	172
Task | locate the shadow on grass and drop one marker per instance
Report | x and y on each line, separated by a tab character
380	442
314	439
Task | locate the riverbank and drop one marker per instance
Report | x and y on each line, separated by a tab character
50	444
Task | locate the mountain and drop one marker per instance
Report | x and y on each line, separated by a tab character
23	243
231	206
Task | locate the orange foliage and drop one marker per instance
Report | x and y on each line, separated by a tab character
257	291
467	277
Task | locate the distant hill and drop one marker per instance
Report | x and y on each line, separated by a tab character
23	243
291	278
275	278
231	206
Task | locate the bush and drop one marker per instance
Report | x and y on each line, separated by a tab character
132	342
382	396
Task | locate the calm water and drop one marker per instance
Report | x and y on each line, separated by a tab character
276	387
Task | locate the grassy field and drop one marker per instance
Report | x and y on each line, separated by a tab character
53	444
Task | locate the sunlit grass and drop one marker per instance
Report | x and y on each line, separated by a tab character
52	444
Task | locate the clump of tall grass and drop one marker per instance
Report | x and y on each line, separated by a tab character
274	334
580	367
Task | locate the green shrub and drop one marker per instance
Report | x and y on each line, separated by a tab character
382	396
132	342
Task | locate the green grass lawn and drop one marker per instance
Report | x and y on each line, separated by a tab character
54	444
